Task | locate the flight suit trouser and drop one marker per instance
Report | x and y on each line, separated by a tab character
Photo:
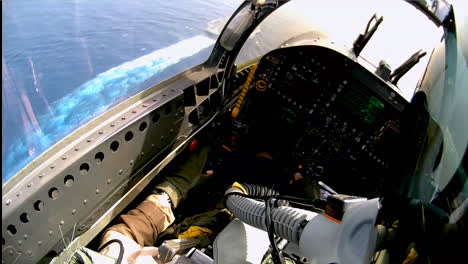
140	227
138	230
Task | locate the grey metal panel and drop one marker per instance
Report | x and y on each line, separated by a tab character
123	201
75	187
67	206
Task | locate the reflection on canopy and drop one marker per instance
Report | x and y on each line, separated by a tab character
88	100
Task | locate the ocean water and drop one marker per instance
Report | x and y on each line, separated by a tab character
64	62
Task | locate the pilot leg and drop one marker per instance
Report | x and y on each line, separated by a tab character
140	226
185	176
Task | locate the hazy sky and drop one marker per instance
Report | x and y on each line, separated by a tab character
404	30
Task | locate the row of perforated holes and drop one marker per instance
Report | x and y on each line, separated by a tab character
84	169
54	192
114	147
155	118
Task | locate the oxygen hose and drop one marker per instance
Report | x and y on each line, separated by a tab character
287	222
319	237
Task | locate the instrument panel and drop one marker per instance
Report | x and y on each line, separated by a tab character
324	115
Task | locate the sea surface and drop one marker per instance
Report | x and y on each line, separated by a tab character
67	61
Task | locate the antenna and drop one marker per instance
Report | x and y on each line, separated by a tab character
362	40
406	66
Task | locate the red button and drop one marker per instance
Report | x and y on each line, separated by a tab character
193	145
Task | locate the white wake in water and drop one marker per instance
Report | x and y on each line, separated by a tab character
94	97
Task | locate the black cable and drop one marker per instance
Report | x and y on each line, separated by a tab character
272	198
268	222
275	252
315	204
119	259
84	251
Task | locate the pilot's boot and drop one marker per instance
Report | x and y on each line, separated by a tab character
185	176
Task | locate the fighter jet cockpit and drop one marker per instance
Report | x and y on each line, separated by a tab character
331	134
